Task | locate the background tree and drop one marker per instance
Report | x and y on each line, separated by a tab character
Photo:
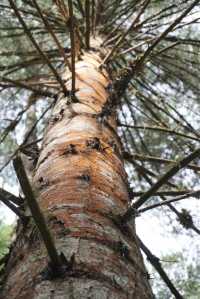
148	53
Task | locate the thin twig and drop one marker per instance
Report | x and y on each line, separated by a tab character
36	213
135	47
139	157
163	193
161	129
166	49
195	194
17	83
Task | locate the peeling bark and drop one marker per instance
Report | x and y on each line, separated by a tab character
81	185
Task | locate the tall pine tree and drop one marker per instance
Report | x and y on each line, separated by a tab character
116	77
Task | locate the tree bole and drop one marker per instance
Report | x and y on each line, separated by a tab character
81	185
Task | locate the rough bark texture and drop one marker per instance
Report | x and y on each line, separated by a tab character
81	184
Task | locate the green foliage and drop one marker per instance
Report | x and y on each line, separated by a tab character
5	237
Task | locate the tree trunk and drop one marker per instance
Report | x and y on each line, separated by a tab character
81	186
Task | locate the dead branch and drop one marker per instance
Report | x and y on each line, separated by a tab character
168	175
155	262
194	194
37	213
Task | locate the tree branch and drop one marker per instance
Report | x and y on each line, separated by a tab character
164	34
161	129
87	24
121	38
37	214
195	194
60	48
73	48
155	262
164	193
168	175
17	83
43	54
128	156
10	197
